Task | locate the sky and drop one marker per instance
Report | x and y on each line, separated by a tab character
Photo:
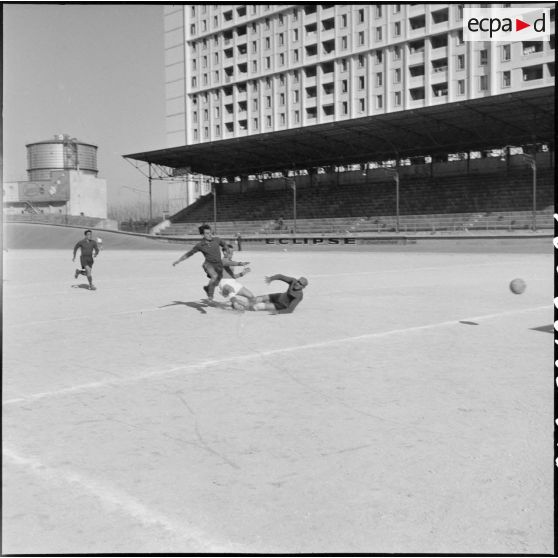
95	72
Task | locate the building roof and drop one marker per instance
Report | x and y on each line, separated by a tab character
518	118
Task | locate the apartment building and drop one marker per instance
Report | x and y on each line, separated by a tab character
234	70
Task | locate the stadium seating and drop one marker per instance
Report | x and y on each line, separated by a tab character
498	201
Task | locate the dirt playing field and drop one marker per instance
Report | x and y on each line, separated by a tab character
406	406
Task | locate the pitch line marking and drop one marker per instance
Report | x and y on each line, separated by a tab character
114	498
197	367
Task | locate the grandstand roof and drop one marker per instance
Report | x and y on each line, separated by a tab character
518	118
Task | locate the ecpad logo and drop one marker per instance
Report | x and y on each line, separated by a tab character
506	24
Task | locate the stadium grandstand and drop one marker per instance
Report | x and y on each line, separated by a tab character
353	119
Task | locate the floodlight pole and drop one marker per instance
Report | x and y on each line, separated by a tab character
293	186
150	198
532	162
395	174
214	192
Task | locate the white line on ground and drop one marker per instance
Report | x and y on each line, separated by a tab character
192	538
196	367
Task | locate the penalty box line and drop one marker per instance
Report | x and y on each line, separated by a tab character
116	499
197	367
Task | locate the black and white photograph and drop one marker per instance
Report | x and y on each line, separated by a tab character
278	279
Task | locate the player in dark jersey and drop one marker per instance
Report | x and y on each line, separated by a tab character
210	247
281	303
89	251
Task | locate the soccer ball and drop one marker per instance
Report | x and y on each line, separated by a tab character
517	286
99	240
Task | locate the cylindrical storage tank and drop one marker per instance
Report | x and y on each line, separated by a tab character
60	153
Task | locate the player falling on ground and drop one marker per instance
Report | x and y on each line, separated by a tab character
234	292
281	303
89	251
209	246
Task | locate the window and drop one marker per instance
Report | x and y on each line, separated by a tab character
417	93
506	79
216	75
206	132
460	40
461	87
297	115
397	29
360	61
344	86
440	16
204	62
361	82
532	73
268	121
378	11
417	22
194	82
295	55
216	58
343	64
281	39
378	33
343	42
459	16
460	61
397	75
506	52
483	57
192	29
255	104
396	8
296	96
281	19
268	101
267	62
397	98
282	118
362	105
344	107
281	59
194	64
295	35
267	42
360	38
195	117
379	101
396	53
379	79
218	130
344	20
282	99
379	57
483	83
196	136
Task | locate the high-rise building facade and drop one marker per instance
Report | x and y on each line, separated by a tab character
234	70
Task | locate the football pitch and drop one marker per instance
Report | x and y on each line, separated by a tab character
406	406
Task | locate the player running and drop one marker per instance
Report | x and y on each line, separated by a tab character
89	251
281	303
209	246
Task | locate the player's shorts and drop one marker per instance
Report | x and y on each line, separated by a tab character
217	268
86	261
275	299
232	283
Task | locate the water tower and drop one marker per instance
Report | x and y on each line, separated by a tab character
62	153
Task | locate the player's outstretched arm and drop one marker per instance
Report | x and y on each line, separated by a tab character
279	277
184	256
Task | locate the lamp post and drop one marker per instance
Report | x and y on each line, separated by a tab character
292	184
395	174
214	192
532	162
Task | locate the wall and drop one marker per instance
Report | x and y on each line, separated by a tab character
88	195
